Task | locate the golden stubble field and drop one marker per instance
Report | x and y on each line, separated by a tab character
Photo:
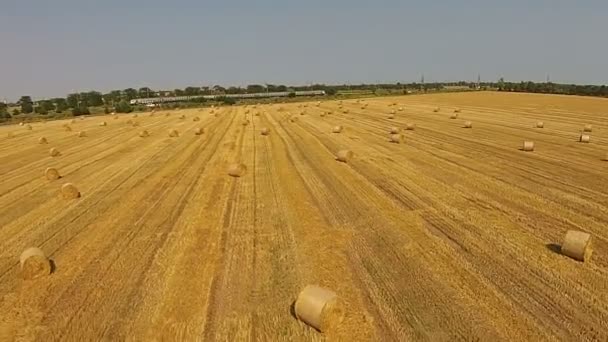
451	234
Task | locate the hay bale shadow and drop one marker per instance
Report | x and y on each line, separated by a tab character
53	265
555	248
292	310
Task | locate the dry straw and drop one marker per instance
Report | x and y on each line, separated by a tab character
51	174
584	138
577	245
129	122
320	308
173	133
42	140
528	146
468	124
337	129
344	156
396	138
69	191
237	170
34	264
53	152
265	131
293	119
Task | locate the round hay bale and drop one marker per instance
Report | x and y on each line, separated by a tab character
34	264
577	245
257	114
198	131
265	131
394	130
82	134
303	112
115	117
135	124
319	308
173	133
393	112
135	116
9	135
129	122
28	127
540	124
528	146
103	124
169	114
323	115
293	119
182	117
237	170
51	174
329	112
144	134
468	124
605	157
345	111
584	138
69	191
391	116
401	109
196	118
454	116
396	138
457	110
337	129
21	124
587	128
437	109
68	128
245	122
410	126
53	152
42	140
344	156
73	121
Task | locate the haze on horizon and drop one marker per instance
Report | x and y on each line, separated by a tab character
50	49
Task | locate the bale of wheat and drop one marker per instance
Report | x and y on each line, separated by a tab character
345	111
540	124
42	140
135	116
437	109
73	121
468	124
401	109
577	245
344	156
528	146
9	135
115	117
173	133
457	110
319	308
584	138
394	130
198	131
21	124
68	128
129	122
28	127
51	174
587	128
337	129
391	116
245	122
196	118
237	170
103	123
454	116
34	264
136	124
144	134
410	126
69	191
53	152
82	134
293	119
322	115
257	114
169	114
396	138
393	111
182	117
265	131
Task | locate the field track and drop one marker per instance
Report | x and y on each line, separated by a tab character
450	235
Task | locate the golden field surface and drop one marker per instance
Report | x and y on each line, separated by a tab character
452	234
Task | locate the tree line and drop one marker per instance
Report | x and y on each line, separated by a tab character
118	100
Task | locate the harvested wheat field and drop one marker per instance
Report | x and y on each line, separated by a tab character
453	234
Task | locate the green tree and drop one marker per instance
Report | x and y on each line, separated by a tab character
129	94
191	91
123	107
144	92
44	107
61	105
27	105
73	100
3	108
255	88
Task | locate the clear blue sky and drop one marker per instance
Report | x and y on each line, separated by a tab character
50	48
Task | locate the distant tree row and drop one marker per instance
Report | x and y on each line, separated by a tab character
118	100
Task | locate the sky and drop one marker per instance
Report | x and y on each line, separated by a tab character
52	48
